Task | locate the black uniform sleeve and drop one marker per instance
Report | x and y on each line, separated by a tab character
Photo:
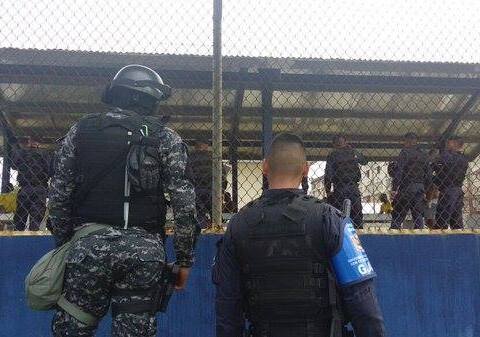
228	299
361	308
428	176
399	168
360	304
330	231
361	159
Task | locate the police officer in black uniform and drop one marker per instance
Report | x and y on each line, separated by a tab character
411	181
32	165
274	263
450	170
343	171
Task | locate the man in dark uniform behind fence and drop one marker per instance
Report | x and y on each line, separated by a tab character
412	180
343	171
113	169
450	170
33	167
275	262
199	170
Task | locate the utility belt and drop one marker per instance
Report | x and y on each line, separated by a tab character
159	295
311	330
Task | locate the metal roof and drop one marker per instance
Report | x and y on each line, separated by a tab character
372	103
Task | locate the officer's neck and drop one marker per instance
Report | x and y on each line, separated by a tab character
277	183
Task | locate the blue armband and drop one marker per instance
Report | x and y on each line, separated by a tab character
351	264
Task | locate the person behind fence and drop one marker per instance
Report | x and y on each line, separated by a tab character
32	165
8	199
412	180
450	170
273	265
386	206
343	171
113	169
199	170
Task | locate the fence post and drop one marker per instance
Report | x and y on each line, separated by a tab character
268	75
217	116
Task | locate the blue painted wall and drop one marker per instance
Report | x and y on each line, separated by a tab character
428	286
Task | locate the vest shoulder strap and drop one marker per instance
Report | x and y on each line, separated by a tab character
300	206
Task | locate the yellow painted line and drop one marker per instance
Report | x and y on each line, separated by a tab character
24	233
418	231
360	231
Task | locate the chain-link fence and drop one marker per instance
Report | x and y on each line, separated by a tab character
351	78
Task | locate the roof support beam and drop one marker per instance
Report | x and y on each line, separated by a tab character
59	107
191	79
450	130
189	132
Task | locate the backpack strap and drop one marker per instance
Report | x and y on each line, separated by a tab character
87	230
71	308
75	311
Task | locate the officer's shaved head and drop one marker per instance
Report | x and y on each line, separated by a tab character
287	156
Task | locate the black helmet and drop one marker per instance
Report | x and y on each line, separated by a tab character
136	86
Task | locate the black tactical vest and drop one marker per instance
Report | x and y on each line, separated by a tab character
346	168
414	170
287	288
452	170
102	146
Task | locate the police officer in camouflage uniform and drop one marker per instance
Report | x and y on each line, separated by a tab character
122	263
343	171
450	170
411	180
274	265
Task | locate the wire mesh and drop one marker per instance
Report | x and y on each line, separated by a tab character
370	71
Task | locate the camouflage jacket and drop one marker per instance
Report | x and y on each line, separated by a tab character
173	154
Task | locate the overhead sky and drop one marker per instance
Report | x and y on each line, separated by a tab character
426	30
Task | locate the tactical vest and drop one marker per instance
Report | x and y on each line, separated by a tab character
287	285
102	144
414	170
452	170
346	167
35	170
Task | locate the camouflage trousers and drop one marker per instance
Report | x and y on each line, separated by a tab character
101	263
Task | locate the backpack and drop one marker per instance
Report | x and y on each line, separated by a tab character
44	282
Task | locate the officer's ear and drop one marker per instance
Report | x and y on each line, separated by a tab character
265	168
305	170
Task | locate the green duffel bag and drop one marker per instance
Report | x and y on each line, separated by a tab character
44	282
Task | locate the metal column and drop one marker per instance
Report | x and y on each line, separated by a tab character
268	75
234	140
217	116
